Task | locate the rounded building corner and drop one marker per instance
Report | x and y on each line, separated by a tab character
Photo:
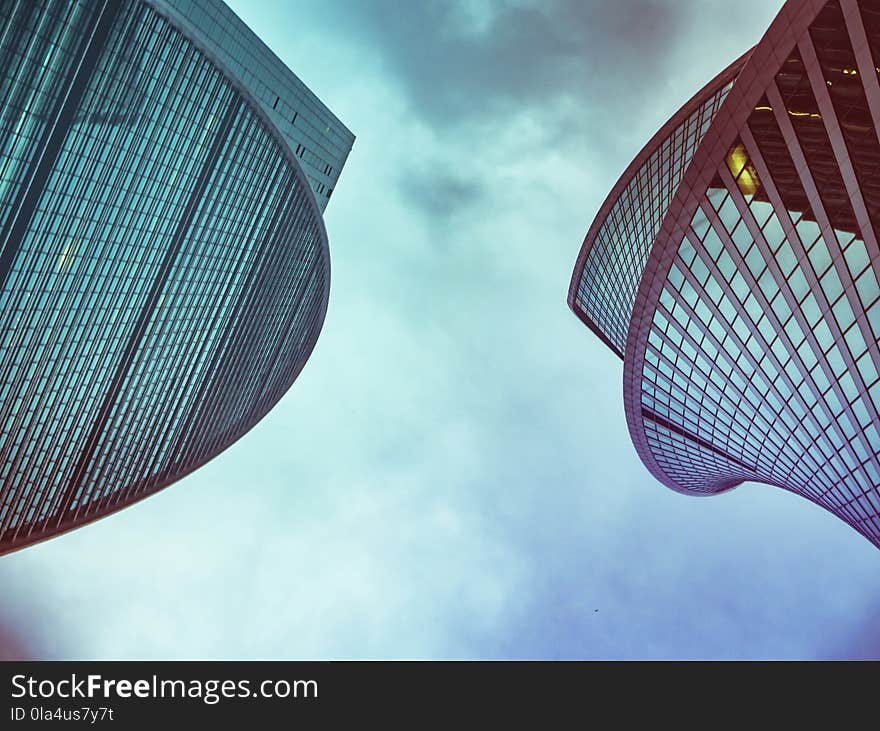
749	352
226	313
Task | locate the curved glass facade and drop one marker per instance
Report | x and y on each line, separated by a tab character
163	264
614	257
757	351
319	140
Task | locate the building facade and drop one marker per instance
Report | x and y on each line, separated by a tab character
736	273
164	267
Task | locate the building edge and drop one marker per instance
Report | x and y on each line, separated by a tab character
656	140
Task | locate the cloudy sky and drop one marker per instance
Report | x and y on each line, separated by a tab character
451	475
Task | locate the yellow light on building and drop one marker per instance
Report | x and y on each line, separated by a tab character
742	170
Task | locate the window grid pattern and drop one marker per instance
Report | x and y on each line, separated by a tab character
614	265
321	140
762	358
170	280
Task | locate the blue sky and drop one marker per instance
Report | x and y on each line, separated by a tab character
451	475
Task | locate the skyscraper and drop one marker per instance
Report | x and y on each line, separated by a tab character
164	267
734	268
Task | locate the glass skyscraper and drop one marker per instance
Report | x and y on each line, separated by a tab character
164	267
735	269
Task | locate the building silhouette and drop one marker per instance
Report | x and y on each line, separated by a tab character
164	267
734	268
